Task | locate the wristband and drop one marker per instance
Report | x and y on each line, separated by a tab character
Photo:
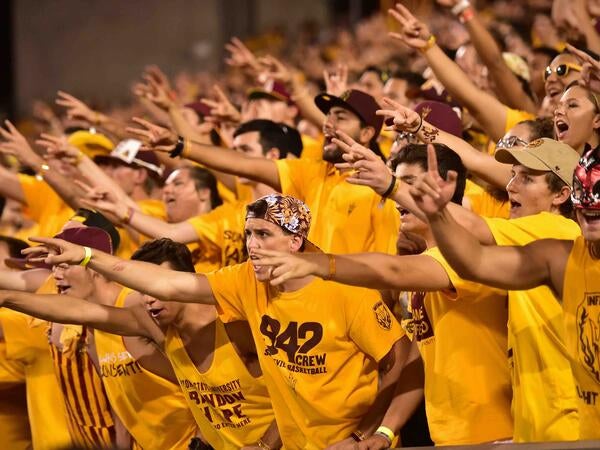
331	273
88	255
460	7
430	43
43	168
390	188
386	432
187	146
178	148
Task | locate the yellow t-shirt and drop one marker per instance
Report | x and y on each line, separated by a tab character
44	206
221	235
483	203
581	304
28	346
129	244
386	140
231	407
345	218
462	339
152	409
318	348
544	396
312	148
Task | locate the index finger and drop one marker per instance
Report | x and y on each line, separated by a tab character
432	163
581	54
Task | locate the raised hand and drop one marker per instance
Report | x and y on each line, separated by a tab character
222	110
105	202
413	32
404	119
15	144
369	169
336	81
76	109
590	73
153	136
241	57
288	266
273	69
430	191
57	147
54	251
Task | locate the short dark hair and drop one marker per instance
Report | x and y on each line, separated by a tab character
542	127
273	135
203	179
413	79
382	74
447	160
555	185
164	250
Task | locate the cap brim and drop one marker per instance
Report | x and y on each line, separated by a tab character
257	94
522	157
327	101
23	264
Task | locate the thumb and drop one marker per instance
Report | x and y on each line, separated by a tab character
452	176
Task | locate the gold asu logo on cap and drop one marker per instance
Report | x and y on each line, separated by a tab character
383	316
535	144
425	112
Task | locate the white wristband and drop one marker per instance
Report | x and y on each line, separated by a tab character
460	7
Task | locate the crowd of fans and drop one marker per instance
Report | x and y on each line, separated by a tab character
368	237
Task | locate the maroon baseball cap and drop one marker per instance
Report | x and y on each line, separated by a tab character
92	237
358	102
272	90
441	115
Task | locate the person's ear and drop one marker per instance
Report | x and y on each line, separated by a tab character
366	134
139	176
562	196
295	243
273	153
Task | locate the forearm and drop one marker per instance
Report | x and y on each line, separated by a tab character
154	280
271	437
27	280
481	164
408	392
505	81
489	112
99	178
307	108
156	228
183	127
229	161
10	187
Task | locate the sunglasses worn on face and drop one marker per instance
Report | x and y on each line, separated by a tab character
562	70
510	142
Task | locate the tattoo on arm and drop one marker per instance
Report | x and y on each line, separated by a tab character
429	134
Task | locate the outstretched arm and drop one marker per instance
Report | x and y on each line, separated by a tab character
229	161
514	268
488	111
372	270
167	285
133	321
507	85
26	280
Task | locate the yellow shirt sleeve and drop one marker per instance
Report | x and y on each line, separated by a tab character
523	230
295	175
373	327
225	286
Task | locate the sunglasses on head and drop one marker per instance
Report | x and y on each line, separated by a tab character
562	70
510	142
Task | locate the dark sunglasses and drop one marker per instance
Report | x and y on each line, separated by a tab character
510	142
562	70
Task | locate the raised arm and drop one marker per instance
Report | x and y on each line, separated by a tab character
16	143
132	321
164	284
507	85
514	268
10	186
479	163
161	139
488	111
